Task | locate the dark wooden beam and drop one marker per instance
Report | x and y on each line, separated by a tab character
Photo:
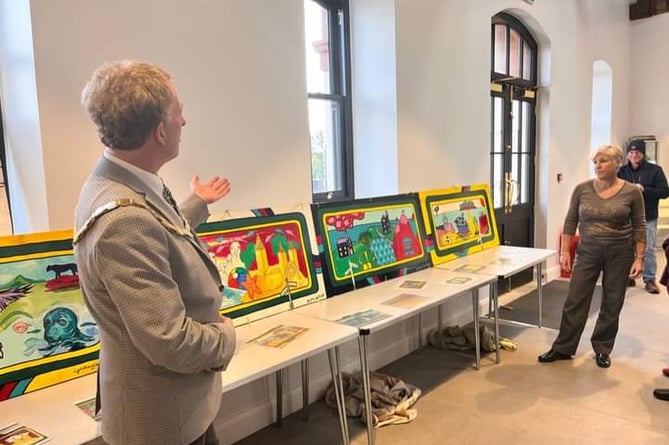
646	8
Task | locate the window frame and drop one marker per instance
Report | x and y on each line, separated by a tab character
340	93
513	23
4	181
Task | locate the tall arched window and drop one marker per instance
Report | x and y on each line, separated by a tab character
513	81
5	208
328	88
602	104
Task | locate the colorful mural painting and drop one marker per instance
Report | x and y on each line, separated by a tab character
264	261
369	240
458	221
47	335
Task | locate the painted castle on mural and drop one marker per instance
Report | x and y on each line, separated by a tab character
262	261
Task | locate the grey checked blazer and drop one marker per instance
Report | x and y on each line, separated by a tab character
155	297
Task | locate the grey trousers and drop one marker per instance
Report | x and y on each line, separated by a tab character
614	262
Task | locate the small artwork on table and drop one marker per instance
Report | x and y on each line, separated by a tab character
459	221
279	336
47	335
406	301
264	261
458	280
362	318
413	284
470	268
21	435
369	240
88	407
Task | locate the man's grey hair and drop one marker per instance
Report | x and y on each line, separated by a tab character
127	100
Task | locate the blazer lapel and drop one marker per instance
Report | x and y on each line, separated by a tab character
114	172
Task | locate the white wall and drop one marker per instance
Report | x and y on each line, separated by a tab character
649	101
240	70
443	78
239	66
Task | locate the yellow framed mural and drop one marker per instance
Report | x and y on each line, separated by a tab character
458	221
47	335
265	262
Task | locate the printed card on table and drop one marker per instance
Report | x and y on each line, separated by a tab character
413	284
503	261
458	280
279	336
471	268
22	435
406	301
88	407
358	319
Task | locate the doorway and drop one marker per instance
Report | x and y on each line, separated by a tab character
513	135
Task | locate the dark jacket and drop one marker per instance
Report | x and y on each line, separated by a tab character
654	183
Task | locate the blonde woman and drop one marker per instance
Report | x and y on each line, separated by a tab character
609	214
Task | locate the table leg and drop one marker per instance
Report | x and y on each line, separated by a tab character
335	371
439	315
305	389
477	334
362	346
420	331
494	294
539	293
490	301
279	397
343	394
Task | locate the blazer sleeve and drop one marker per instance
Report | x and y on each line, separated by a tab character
132	257
195	210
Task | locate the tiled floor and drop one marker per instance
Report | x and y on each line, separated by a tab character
521	401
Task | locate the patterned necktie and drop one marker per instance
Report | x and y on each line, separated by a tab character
167	194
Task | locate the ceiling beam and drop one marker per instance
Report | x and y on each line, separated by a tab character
647	8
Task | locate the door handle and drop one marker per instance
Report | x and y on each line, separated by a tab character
511	192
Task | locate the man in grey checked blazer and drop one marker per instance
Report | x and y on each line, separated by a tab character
147	281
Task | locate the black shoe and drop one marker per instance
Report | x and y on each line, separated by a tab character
551	356
652	288
602	360
662	394
631	282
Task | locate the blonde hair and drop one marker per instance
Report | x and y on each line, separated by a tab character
127	100
612	151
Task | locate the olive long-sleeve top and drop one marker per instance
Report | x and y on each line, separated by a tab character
612	220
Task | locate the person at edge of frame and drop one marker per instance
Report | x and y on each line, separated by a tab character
663	393
652	182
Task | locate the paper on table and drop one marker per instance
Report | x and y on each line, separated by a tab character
22	435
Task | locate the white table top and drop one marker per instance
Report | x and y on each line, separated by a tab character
440	284
252	360
52	411
501	261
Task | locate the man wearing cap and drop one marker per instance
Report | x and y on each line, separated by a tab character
652	182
